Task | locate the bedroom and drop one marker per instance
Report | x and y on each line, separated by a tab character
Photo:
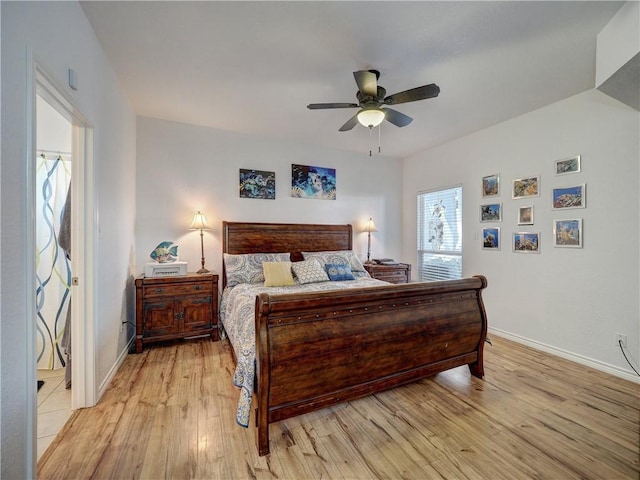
203	163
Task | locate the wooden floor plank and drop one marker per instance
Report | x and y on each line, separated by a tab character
170	413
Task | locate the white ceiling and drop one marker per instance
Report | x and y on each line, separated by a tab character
253	67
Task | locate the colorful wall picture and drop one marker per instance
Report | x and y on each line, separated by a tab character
567	233
567	165
569	197
525	242
491	185
491	212
491	238
525	215
526	187
313	182
257	184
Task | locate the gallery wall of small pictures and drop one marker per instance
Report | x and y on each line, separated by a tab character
567	229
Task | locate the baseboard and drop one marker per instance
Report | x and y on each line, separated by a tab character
115	368
589	362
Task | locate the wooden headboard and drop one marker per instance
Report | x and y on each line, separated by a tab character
243	237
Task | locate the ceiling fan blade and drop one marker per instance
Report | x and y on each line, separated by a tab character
367	82
414	94
397	118
319	106
352	122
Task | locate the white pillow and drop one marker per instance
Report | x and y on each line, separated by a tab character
247	268
309	271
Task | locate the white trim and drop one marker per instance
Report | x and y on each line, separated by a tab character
29	225
83	313
116	366
574	357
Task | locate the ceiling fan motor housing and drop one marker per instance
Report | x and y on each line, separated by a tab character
365	99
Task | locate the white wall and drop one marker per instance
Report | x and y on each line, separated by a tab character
53	130
618	42
568	301
59	36
183	168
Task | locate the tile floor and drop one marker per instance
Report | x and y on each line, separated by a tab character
54	407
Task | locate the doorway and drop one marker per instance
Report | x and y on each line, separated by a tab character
74	156
53	270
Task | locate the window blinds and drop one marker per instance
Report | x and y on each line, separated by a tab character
439	225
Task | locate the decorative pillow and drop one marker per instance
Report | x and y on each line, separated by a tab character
277	274
247	268
337	257
339	272
309	271
364	274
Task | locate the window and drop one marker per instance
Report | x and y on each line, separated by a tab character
440	234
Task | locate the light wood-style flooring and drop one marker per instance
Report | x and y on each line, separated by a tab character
170	413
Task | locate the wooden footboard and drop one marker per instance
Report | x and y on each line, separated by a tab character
318	349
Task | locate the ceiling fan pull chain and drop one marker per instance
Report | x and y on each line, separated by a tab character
379	135
370	134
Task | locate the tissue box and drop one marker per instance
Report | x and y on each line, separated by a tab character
173	269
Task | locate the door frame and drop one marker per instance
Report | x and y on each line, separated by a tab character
83	215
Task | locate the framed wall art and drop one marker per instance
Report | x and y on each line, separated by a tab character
525	215
313	182
567	233
491	238
570	197
526	187
257	184
567	165
491	185
491	212
526	242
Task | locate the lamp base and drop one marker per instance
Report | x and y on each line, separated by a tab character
203	270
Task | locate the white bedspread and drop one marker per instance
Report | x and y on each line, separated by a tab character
237	315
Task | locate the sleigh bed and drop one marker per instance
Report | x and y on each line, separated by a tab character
319	347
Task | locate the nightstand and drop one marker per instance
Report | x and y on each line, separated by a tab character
398	273
168	308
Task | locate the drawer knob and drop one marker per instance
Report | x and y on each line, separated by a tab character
159	290
197	287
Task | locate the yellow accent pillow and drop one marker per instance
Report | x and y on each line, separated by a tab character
277	274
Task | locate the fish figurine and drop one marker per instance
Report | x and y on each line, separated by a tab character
165	252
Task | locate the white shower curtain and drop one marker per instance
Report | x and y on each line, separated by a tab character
53	269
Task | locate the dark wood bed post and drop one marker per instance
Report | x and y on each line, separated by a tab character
477	368
262	376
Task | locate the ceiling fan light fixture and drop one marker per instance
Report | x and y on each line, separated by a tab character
371	117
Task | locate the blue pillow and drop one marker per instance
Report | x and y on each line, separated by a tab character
339	272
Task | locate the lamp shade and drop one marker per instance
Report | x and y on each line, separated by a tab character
371	226
371	117
199	222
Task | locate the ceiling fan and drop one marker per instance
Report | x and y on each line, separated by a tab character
371	99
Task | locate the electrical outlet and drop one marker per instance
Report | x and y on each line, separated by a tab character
621	339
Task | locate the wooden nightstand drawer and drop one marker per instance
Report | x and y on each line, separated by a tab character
399	273
390	274
176	289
